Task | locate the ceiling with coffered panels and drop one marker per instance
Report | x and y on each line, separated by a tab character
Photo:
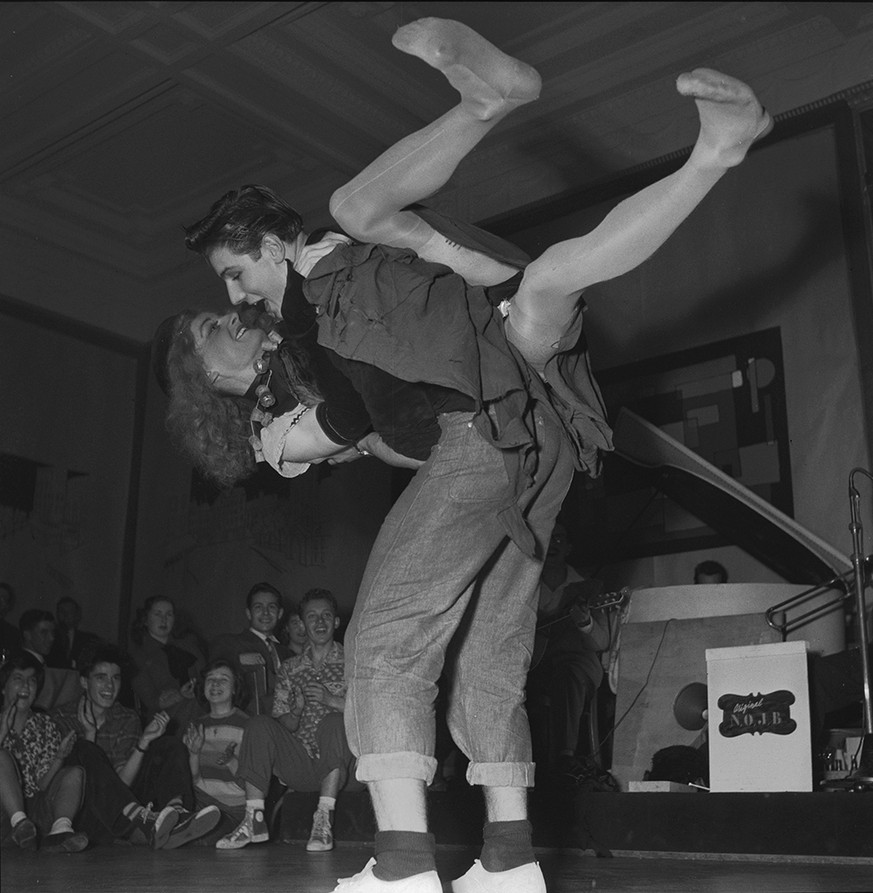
122	121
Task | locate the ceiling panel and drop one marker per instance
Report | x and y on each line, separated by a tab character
122	120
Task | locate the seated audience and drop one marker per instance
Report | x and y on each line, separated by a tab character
256	649
566	668
305	745
214	740
37	628
127	766
166	669
70	641
10	637
39	796
710	572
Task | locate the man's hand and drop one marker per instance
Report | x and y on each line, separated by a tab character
309	255
155	728
85	715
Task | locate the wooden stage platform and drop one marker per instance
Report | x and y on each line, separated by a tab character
287	868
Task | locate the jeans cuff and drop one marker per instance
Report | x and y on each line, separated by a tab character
401	764
501	775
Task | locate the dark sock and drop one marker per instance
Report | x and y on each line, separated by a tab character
401	854
507	845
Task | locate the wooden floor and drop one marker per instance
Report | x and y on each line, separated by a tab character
287	868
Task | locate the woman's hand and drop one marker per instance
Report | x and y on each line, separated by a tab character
66	746
194	738
7	718
309	255
187	690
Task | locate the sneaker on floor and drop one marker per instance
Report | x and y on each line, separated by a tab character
24	835
366	882
321	838
252	829
192	825
65	842
152	829
524	879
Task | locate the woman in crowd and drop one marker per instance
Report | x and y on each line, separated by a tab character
166	669
38	794
213	741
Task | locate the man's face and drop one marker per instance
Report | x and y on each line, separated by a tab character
41	637
319	621
103	685
248	280
559	545
264	613
226	346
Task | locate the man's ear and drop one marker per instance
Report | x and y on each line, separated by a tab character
249	615
273	247
336	623
84	683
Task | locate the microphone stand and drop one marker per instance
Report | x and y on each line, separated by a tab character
858	567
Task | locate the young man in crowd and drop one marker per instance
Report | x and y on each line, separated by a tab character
127	766
70	641
257	646
37	628
305	745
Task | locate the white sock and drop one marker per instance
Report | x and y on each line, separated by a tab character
59	826
17	817
253	806
327	803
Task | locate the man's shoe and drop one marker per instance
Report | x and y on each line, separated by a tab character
366	882
24	834
252	829
524	879
321	838
153	829
192	825
65	842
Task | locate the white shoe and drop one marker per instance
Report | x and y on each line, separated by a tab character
366	882
524	879
252	829
321	838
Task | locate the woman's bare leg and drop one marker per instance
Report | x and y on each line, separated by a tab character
491	85
731	119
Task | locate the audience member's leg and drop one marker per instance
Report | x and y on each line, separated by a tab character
12	803
165	774
64	798
333	768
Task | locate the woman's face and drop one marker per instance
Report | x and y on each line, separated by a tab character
159	620
218	687
227	348
20	688
296	632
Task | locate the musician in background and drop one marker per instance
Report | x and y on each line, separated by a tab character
566	668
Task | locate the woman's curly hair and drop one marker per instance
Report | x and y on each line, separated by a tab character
211	428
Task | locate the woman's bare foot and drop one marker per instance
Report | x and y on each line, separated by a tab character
731	118
490	82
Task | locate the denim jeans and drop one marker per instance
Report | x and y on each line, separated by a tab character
443	566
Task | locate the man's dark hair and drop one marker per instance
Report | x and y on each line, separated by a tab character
23	661
102	653
711	569
240	219
31	617
262	587
314	594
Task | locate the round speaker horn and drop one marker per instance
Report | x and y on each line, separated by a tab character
690	706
